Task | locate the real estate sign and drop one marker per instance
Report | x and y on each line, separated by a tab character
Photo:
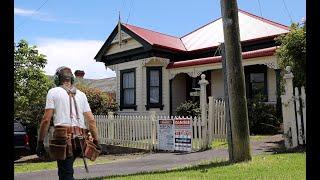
183	134
166	134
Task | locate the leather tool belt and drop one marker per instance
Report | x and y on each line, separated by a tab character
63	143
74	130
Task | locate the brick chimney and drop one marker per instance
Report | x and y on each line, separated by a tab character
79	74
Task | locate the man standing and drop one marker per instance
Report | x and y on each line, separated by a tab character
69	107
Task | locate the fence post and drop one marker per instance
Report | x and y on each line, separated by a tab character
203	105
111	127
153	128
288	113
303	101
210	119
298	115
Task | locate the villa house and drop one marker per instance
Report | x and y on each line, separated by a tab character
155	71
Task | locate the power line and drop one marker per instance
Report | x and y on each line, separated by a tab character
260	8
287	11
32	14
131	4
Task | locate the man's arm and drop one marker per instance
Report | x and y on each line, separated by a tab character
92	125
44	125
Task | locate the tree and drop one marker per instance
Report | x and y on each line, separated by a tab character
292	52
30	86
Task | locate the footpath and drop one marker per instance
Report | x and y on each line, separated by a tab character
156	162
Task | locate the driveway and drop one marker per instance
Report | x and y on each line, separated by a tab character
157	161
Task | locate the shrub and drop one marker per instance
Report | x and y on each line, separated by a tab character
189	108
100	102
262	117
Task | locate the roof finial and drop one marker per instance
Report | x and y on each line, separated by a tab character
119	30
119	21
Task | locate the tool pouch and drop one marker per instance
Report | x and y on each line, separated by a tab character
91	152
57	149
58	145
60	133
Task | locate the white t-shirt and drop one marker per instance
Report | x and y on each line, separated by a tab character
58	99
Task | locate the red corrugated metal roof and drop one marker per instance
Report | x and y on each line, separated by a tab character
210	60
251	27
156	38
211	35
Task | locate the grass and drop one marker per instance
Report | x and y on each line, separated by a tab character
275	166
224	144
40	166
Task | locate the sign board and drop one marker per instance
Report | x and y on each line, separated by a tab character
196	93
183	134
165	134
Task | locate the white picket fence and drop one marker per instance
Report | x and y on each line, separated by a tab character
141	131
293	112
127	131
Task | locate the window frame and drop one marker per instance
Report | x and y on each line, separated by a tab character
122	105
149	104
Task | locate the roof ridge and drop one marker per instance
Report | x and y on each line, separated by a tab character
152	30
200	28
265	20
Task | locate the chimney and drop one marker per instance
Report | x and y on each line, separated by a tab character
79	74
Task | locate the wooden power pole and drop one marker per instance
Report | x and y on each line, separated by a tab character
236	84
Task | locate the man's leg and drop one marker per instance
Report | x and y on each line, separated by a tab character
65	168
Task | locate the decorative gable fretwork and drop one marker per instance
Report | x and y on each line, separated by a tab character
155	61
127	43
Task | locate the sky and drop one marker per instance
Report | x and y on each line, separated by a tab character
70	33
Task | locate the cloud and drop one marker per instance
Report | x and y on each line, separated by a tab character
34	15
43	16
76	54
24	12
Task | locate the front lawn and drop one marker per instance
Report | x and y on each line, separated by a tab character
275	166
40	166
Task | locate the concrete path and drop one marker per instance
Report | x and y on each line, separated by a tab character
154	162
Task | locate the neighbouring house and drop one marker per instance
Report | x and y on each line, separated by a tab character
107	85
155	71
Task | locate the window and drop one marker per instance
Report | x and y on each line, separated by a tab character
257	83
128	89
154	88
256	80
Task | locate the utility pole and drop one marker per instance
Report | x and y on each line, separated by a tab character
226	100
236	84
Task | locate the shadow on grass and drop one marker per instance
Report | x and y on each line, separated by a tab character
202	168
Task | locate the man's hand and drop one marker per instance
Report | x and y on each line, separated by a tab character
40	149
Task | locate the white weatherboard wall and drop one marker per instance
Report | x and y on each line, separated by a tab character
217	84
141	89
